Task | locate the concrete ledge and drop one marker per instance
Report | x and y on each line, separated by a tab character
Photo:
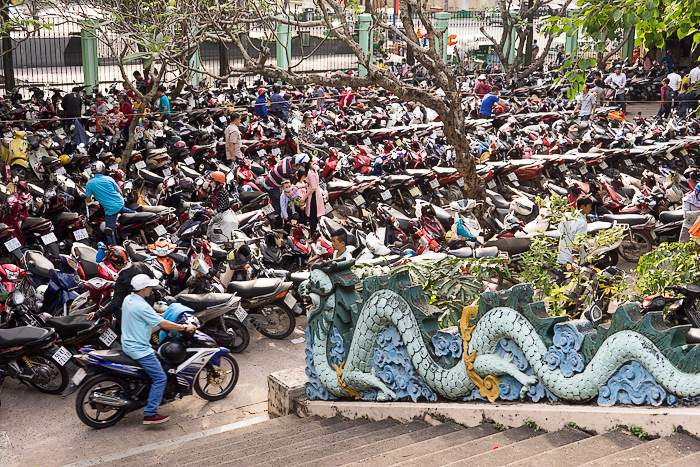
657	421
283	387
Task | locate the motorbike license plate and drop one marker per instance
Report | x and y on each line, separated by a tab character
328	207
141	165
512	177
415	191
385	195
108	337
62	356
289	300
167	172
669	156
399	142
7	134
160	230
189	160
460	182
80	234
684	152
434	183
61	171
222	119
79	376
650	160
240	313
359	200
276	151
12	245
268	209
261	153
628	162
583	170
49	238
60	132
114	167
491	184
603	165
159	133
368	142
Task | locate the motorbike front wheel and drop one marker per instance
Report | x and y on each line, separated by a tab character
214	382
275	320
58	374
631	249
89	412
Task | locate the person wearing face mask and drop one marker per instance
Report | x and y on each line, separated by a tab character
287	208
691	213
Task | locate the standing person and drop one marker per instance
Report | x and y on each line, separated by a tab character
106	191
482	86
686	100
224	221
306	131
535	49
598	91
140	83
666	100
72	105
163	104
647	62
321	97
313	199
694	75
691	212
561	56
669	61
287	207
279	107
339	240
570	228
283	170
674	81
346	97
491	99
234	146
585	103
127	111
618	81
138	318
261	104
404	68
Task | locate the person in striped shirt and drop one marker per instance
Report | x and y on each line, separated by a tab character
282	171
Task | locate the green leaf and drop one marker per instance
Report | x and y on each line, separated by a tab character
617	14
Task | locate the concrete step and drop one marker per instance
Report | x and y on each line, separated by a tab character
687	461
656	452
377	448
453	449
291	449
321	451
581	451
256	449
522	449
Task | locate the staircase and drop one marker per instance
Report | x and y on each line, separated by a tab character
314	441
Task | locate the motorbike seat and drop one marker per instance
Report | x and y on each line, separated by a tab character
154	209
299	277
157	152
418	173
338	185
465	252
200	302
135	251
397	179
188	172
630	219
486	252
254	288
668	217
66	216
180	258
595	227
87	257
136	218
217	252
558	190
693	336
248	197
29	222
69	325
22	335
497	200
38	264
444	170
245	217
150	176
116	356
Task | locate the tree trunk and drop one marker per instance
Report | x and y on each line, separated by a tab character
131	143
7	60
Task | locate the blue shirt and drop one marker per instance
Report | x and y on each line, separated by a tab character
164	104
138	318
669	62
278	103
487	104
106	192
261	106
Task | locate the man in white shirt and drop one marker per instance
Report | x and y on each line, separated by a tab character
618	81
570	228
674	80
694	75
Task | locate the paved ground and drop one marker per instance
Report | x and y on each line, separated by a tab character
43	430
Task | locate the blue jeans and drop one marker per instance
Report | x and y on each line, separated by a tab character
111	223
152	366
585	117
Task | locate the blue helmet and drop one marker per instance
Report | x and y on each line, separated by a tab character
697	187
408	253
246	188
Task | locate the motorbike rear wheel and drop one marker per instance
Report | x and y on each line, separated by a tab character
635	247
232	334
59	375
84	406
224	376
277	320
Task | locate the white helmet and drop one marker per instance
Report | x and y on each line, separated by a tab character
522	206
301	158
97	167
39	292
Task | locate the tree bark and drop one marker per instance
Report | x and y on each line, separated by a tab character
7	59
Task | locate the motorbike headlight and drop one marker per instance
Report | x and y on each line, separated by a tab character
17	297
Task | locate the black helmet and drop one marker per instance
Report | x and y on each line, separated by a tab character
172	352
308	115
276	88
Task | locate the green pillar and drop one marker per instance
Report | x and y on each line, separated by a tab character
628	48
366	36
571	41
284	44
196	64
509	46
442	23
88	45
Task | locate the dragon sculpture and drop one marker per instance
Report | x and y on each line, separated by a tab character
506	347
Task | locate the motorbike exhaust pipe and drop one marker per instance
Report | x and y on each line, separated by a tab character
112	401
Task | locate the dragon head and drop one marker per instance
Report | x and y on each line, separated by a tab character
319	288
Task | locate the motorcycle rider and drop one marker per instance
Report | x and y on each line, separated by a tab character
224	221
691	213
617	81
279	107
106	191
570	228
306	132
138	320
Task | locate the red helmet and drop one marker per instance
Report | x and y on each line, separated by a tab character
261	91
117	256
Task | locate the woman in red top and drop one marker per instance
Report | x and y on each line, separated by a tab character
127	111
482	87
